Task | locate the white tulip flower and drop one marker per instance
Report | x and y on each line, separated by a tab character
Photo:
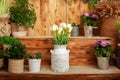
54	28
69	27
63	25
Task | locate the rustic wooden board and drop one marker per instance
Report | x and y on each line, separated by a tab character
81	52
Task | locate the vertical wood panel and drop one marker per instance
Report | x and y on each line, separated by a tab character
51	12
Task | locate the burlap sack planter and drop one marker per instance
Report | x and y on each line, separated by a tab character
16	66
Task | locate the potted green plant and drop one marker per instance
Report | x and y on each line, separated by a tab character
89	20
16	55
103	52
8	41
34	61
22	14
60	55
5	28
75	30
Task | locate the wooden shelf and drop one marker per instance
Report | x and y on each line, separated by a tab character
75	73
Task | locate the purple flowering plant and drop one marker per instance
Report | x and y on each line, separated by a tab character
102	48
90	19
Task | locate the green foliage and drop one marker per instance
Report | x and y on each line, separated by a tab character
102	49
7	40
90	19
118	25
36	55
22	13
61	39
92	2
74	25
16	51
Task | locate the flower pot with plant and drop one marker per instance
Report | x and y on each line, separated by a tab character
5	28
89	20
103	52
60	55
34	62
22	14
16	54
7	42
75	30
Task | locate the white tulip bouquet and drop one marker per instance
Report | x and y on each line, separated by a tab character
61	34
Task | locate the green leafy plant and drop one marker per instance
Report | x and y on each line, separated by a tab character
90	19
118	25
4	5
36	55
102	49
7	40
61	34
91	2
22	13
16	51
74	25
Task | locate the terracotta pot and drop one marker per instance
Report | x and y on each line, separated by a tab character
16	66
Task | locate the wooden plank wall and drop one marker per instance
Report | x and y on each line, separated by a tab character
81	52
51	12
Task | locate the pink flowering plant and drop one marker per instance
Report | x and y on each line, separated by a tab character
36	55
90	19
102	48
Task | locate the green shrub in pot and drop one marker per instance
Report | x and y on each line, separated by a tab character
16	54
22	13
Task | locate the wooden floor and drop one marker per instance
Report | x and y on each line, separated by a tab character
75	73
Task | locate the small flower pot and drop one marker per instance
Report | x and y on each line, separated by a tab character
75	31
16	66
88	31
34	65
103	62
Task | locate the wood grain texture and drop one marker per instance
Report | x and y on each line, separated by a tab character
58	77
51	12
81	52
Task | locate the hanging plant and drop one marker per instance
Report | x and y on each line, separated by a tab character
91	2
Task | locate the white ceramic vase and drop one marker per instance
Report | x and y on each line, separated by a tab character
60	58
34	65
88	31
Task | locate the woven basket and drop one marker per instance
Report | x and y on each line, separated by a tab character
15	66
